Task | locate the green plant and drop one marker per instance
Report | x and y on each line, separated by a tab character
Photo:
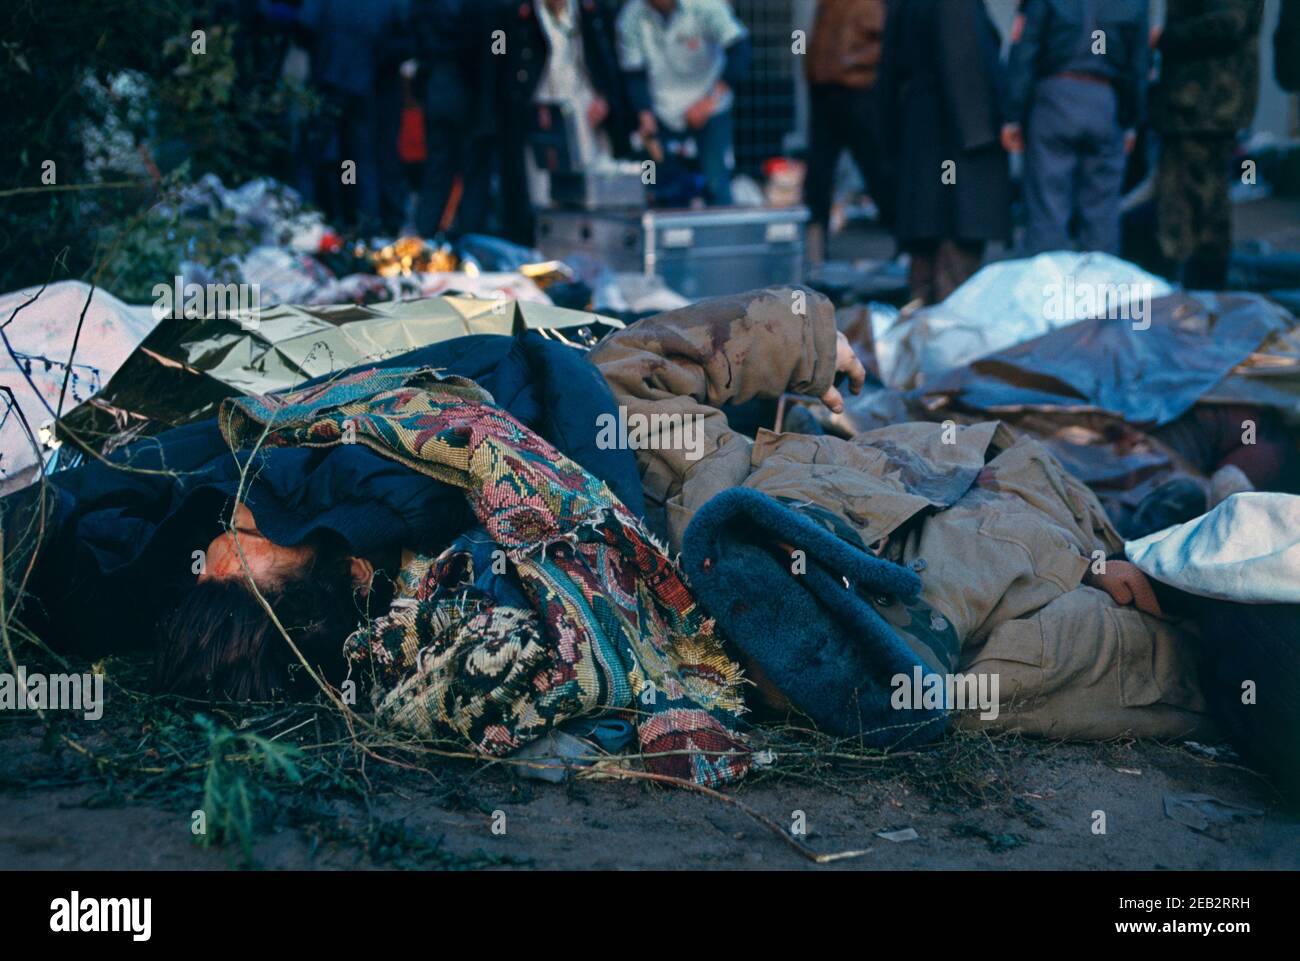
112	103
229	795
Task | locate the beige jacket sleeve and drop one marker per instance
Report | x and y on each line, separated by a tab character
674	371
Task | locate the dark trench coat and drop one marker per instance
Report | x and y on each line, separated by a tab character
941	96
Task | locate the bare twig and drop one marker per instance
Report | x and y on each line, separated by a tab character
744	808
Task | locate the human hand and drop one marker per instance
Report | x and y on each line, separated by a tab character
698	113
597	111
1013	138
1126	584
846	362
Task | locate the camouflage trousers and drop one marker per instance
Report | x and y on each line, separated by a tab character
1193	210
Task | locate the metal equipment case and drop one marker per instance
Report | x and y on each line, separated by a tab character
698	253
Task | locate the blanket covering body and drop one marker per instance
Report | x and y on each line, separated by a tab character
601	619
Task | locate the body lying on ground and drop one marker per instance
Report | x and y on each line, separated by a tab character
1008	547
826	567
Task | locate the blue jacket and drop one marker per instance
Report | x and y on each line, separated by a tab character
351	39
1061	35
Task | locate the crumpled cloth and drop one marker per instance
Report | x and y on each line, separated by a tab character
1004	304
1247	550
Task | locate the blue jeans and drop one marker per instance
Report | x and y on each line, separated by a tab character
1074	166
716	152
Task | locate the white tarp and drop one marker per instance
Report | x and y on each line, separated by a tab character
34	352
1006	303
1247	549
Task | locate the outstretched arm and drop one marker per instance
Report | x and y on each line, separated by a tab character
675	372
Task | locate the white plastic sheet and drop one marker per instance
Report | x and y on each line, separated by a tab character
1004	304
34	353
1247	549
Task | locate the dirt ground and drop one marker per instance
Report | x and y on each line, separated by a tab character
973	803
1016	804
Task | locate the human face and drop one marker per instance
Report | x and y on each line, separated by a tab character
269	564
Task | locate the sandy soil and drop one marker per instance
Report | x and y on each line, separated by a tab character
1039	815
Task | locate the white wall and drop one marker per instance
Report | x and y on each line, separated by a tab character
1276	112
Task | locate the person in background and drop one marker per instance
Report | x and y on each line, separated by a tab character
1286	47
349	40
453	52
1076	83
841	66
683	60
1209	82
270	55
556	51
388	103
940	90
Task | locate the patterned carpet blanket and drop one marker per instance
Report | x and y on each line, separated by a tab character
560	605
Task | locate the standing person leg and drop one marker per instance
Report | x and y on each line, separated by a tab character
516	201
1207	267
1101	173
824	146
717	157
861	124
325	141
1050	162
1175	204
442	149
306	149
392	185
476	186
357	135
955	262
920	273
444	143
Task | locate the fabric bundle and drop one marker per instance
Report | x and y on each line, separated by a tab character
560	606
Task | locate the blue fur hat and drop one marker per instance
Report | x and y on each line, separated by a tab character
820	642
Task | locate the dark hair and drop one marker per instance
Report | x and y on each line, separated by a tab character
218	641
